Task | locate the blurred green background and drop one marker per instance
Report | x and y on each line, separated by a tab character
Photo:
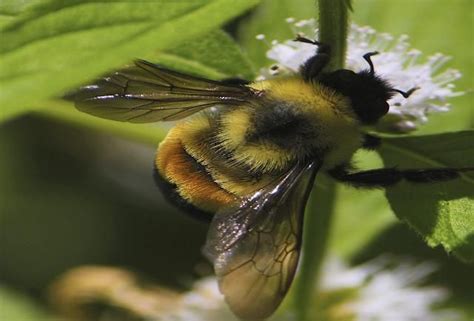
75	190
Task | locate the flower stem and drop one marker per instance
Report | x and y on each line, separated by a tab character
333	28
317	225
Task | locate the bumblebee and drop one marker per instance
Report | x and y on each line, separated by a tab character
247	157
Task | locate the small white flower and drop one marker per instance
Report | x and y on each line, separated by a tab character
386	290
380	290
389	294
396	62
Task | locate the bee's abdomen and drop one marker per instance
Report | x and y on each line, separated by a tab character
184	180
171	194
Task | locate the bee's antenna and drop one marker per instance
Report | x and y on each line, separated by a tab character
369	61
406	94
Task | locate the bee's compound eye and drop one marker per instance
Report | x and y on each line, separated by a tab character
382	104
381	107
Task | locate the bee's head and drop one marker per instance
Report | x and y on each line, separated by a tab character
367	92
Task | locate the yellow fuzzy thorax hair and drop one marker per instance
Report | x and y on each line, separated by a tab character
330	112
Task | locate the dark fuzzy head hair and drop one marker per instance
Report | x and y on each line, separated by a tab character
368	92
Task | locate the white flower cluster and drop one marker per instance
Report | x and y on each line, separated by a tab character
386	291
396	62
389	294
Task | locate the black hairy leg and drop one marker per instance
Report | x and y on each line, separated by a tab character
371	142
314	65
385	177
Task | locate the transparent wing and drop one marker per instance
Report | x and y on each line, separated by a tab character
146	92
255	245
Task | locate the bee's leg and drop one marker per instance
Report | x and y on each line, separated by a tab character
371	142
314	65
322	47
385	177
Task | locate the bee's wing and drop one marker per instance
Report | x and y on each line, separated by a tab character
145	93
255	245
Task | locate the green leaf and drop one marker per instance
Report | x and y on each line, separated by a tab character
216	52
63	44
443	213
10	9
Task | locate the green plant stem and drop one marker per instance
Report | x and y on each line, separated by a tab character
317	225
333	27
